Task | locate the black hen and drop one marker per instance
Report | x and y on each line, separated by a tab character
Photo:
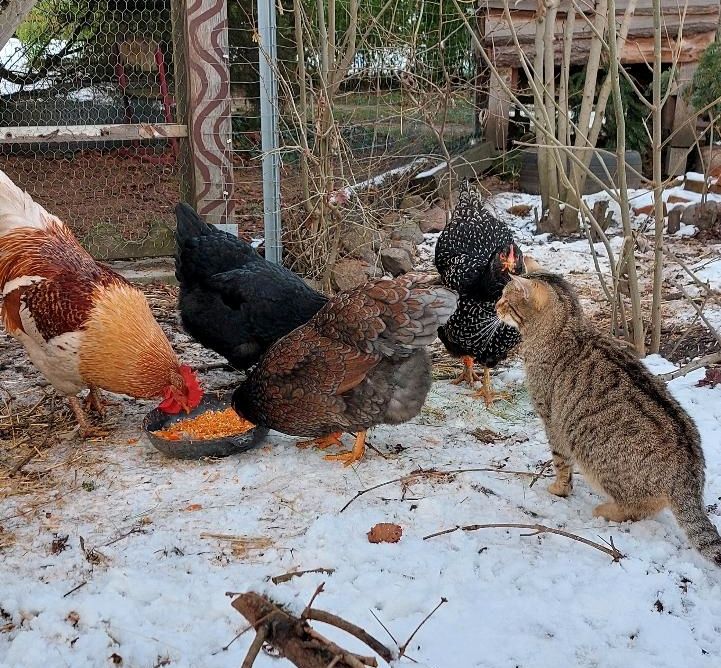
232	300
474	256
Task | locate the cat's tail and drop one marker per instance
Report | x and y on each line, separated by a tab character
701	532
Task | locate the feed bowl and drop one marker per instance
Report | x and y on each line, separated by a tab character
186	448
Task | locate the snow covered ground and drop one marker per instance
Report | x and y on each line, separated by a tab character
165	540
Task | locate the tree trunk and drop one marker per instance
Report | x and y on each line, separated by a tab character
657	184
628	257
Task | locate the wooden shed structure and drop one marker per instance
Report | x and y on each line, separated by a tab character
688	27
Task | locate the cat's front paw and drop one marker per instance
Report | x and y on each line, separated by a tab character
558	488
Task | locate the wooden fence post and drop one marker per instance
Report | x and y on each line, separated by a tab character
499	105
202	88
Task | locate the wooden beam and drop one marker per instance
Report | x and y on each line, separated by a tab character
202	76
642	6
12	14
89	133
636	52
498	31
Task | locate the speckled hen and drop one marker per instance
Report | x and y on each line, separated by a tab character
475	255
359	362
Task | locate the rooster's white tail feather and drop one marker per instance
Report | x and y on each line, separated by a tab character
18	209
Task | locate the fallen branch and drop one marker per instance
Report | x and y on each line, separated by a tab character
433	472
286	577
699	311
260	635
356	631
297	641
74	589
710	292
611	551
541	471
701	362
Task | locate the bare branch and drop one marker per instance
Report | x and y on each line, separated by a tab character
706	360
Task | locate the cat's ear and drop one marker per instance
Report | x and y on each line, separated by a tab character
530	264
523	285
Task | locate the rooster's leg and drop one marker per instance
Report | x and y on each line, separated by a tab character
95	401
323	442
86	429
486	392
351	456
468	375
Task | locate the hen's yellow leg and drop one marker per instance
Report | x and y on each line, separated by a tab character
486	392
351	456
468	375
323	442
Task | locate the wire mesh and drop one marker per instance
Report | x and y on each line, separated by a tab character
393	86
95	63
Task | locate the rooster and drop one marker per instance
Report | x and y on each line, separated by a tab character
82	324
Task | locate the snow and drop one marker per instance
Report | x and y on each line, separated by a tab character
711	273
349	191
512	600
12	56
157	592
642	198
432	171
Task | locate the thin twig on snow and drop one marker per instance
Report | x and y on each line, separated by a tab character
614	553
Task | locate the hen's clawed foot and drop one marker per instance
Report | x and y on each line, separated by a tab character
487	393
321	443
489	396
468	375
351	456
92	433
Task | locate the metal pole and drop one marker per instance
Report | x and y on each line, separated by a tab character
269	129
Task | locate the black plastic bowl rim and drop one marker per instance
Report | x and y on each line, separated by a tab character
157	420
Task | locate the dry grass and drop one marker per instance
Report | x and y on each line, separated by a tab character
38	448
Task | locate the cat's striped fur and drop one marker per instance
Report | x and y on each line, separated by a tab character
606	413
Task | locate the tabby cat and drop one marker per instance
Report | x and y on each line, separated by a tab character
606	413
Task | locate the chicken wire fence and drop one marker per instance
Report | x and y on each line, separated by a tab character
395	84
86	64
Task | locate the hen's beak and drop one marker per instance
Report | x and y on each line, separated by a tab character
509	262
